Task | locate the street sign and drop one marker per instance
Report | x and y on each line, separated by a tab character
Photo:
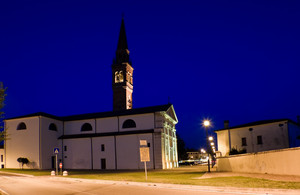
143	142
55	150
144	154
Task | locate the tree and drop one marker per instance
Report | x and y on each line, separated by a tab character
234	151
2	98
23	161
182	155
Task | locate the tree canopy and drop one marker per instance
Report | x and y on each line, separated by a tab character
23	161
181	149
2	98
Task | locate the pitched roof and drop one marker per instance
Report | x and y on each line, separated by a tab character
144	110
262	122
36	114
122	43
74	136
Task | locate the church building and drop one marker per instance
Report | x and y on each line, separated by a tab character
104	140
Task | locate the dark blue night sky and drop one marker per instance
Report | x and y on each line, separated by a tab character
222	60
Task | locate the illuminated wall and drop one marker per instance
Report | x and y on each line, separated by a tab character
107	142
257	138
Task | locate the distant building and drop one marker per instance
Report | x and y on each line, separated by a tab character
193	155
258	136
105	140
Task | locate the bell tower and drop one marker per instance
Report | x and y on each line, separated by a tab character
122	82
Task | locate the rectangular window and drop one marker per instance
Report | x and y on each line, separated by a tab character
244	141
102	147
65	148
259	140
148	145
1	158
103	163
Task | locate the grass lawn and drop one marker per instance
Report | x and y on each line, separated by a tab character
28	171
183	175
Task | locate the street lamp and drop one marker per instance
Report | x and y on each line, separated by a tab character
206	124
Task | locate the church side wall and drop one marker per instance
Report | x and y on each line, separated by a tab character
22	143
74	127
158	150
143	122
128	153
104	148
77	154
107	125
49	141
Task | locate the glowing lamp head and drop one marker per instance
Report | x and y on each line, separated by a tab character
212	143
210	138
206	123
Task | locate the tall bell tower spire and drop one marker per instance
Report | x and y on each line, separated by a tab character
122	82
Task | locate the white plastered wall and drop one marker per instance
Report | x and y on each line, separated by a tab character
273	137
128	153
2	158
22	143
107	125
223	142
74	127
78	154
279	162
49	141
108	154
143	122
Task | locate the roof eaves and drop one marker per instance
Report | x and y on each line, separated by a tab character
262	122
88	135
143	110
34	115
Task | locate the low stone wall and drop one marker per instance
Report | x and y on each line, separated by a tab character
280	162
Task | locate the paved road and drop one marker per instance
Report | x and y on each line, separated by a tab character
14	184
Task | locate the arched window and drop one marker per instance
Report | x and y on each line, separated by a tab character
121	76
117	79
86	127
52	127
21	126
129	124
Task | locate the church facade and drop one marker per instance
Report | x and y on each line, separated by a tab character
104	140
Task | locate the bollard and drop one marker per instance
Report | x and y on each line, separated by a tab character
52	173
65	173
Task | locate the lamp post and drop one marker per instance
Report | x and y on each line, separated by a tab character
206	124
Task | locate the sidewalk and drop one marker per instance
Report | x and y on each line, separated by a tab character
288	178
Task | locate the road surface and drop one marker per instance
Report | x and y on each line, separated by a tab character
47	185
